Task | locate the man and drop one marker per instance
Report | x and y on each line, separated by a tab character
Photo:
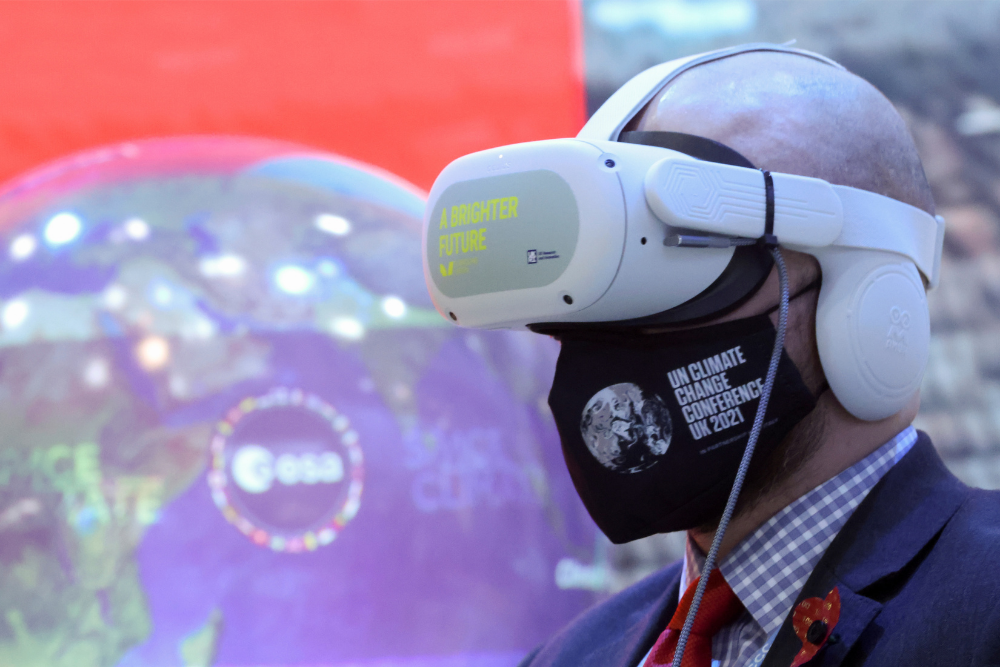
911	554
850	543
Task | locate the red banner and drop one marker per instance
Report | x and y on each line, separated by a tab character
406	85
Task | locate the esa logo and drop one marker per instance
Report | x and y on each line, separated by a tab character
899	324
255	469
532	257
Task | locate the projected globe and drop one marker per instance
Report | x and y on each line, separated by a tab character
235	431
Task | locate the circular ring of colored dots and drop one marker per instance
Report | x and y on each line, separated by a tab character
219	481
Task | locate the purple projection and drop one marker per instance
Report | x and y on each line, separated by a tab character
236	433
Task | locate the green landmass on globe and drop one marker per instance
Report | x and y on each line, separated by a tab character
84	467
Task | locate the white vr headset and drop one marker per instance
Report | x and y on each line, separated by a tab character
608	230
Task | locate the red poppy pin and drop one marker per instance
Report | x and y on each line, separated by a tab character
813	621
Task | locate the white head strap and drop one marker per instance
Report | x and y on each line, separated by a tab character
860	219
607	123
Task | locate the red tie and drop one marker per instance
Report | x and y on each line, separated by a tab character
719	607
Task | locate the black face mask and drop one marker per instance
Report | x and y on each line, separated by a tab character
653	427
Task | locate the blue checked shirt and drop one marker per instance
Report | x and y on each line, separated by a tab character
769	567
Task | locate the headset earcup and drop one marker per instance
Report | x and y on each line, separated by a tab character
872	329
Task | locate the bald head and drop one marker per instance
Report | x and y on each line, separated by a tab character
789	113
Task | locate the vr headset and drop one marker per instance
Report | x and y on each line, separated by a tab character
618	229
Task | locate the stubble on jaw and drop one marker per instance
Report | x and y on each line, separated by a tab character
768	474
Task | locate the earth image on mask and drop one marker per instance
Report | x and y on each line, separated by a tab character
625	429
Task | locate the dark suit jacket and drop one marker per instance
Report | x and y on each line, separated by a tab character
918	570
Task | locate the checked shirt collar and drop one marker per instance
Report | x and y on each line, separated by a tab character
769	567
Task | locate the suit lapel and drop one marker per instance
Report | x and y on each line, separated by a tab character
900	516
629	647
856	614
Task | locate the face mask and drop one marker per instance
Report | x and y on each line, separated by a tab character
653	427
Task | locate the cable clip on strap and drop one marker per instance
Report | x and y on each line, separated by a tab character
768	240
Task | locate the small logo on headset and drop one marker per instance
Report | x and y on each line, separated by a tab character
532	257
899	323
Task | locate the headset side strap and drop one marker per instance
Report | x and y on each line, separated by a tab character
801	212
876	222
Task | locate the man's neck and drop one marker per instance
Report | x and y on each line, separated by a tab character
845	441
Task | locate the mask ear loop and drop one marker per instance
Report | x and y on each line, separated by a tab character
772	370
